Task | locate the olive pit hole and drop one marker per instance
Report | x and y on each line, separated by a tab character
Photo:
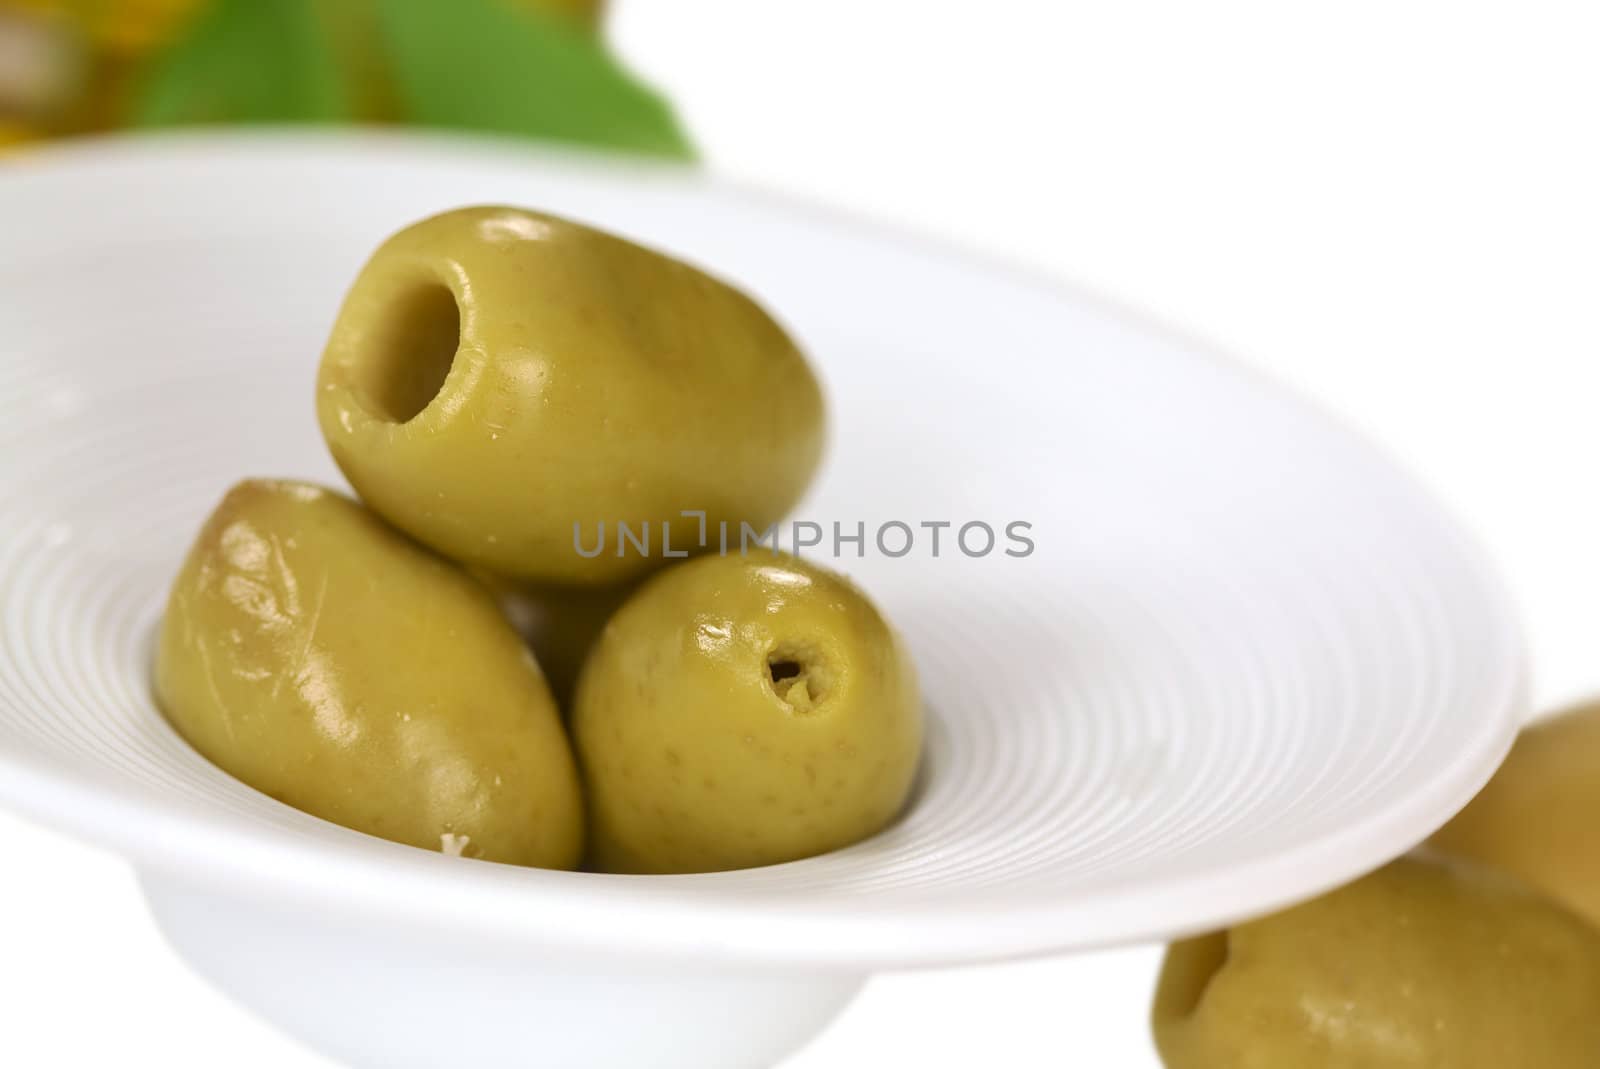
798	676
781	670
412	351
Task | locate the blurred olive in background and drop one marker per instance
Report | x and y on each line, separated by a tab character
1428	963
1539	818
560	623
527	68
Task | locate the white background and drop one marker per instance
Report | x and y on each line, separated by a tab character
1394	206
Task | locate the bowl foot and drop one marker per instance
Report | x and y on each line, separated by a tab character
379	998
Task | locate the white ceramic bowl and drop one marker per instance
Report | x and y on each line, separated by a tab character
1247	660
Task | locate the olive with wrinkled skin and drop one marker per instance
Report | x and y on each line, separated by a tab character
1539	817
330	662
1424	964
742	711
501	383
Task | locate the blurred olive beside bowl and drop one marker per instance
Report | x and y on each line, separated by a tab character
1425	964
1539	817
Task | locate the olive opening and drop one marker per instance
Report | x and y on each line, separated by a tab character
781	670
797	677
412	352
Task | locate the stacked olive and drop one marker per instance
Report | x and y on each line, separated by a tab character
497	381
1480	953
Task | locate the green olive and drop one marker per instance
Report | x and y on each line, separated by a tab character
328	661
742	711
511	388
1539	818
1425	964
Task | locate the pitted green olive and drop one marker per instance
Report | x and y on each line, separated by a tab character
742	711
501	383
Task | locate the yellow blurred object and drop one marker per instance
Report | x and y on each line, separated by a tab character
69	64
41	64
120	26
133	27
15	133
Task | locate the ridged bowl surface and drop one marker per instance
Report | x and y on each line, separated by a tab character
1246	660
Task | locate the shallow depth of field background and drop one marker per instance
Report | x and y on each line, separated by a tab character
1391	206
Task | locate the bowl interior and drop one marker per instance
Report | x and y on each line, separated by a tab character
1244	661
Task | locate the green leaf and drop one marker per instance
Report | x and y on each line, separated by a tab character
246	61
486	65
468	64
